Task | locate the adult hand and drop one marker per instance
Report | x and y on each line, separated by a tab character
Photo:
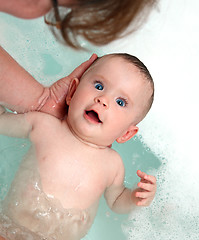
56	94
20	92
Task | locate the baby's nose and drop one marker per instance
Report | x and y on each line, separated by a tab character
102	100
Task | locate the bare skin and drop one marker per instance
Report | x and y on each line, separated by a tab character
75	163
28	9
33	95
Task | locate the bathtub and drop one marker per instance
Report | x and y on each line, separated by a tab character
166	145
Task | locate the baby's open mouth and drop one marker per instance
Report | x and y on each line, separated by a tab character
93	116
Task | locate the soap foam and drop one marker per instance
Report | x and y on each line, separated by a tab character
168	45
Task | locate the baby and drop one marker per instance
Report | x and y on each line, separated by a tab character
70	165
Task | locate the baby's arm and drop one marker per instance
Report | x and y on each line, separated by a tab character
20	92
122	200
14	125
117	196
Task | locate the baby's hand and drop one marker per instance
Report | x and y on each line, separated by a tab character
147	188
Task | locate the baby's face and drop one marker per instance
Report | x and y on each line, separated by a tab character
107	101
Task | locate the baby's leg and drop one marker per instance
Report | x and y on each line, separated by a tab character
1	238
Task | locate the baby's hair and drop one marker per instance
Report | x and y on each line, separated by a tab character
143	70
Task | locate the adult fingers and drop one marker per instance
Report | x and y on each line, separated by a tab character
78	72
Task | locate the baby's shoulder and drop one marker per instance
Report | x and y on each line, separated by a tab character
116	158
42	122
39	118
116	169
113	153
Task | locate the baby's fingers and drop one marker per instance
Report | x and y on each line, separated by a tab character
140	174
144	195
150	178
144	177
146	186
143	203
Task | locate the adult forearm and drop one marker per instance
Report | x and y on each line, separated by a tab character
19	91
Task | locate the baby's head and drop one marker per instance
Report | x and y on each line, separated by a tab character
113	96
145	76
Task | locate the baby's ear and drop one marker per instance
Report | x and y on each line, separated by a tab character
131	132
71	89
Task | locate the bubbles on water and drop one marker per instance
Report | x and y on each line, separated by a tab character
174	213
107	214
159	222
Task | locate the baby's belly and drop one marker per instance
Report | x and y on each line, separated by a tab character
28	209
45	217
76	183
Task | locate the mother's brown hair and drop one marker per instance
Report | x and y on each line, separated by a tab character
102	21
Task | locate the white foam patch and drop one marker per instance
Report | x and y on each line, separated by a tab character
168	45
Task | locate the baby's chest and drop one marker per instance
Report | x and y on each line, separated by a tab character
73	172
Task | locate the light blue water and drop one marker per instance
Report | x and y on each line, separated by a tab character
33	46
168	45
107	225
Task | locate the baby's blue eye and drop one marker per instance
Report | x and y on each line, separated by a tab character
121	102
99	86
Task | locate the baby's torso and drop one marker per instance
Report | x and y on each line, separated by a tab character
73	172
29	211
59	184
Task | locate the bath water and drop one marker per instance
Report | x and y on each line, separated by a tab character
167	142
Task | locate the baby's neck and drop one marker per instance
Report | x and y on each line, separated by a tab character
88	143
82	140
